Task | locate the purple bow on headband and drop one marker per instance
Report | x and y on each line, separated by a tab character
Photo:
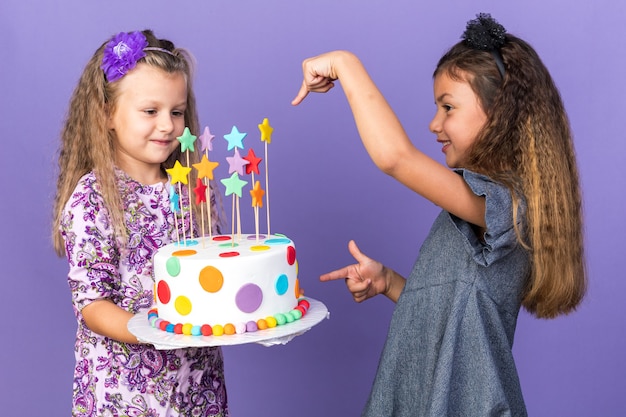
122	53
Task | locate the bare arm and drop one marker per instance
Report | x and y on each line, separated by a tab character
384	137
107	319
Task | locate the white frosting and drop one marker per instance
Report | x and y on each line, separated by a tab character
261	280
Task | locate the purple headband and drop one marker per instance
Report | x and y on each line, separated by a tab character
122	52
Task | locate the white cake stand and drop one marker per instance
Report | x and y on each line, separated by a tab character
279	335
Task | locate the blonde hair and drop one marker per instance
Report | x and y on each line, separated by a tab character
527	145
87	143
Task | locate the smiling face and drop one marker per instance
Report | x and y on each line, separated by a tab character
149	115
458	119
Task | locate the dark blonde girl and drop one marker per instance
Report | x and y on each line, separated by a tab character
509	233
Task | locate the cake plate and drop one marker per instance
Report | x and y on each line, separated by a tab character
279	335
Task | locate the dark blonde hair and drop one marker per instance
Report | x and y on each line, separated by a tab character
526	144
87	143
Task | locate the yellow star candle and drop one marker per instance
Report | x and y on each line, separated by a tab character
178	174
266	136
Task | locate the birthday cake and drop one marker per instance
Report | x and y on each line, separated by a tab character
225	284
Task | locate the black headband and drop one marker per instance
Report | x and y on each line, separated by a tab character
485	34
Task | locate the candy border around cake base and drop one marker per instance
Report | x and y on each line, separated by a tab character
146	333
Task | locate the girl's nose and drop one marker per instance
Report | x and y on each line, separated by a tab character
435	124
165	123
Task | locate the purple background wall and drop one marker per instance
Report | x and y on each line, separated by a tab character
325	190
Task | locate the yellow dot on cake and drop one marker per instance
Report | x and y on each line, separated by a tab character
182	305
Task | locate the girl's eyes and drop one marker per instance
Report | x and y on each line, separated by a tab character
175	113
447	107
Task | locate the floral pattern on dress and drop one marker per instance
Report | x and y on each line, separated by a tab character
115	379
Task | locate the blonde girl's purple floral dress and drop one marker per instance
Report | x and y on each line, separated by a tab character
119	379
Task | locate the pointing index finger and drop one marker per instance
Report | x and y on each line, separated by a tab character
304	91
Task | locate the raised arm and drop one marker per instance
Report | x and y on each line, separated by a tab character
384	137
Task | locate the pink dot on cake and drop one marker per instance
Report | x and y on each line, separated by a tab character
240	328
228	254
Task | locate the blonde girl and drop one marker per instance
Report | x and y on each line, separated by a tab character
112	212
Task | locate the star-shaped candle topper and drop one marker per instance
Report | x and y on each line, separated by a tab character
206	140
236	163
233	184
205	167
266	131
186	140
253	162
257	194
235	138
178	173
200	191
174	200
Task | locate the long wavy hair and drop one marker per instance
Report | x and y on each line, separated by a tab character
526	144
87	144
